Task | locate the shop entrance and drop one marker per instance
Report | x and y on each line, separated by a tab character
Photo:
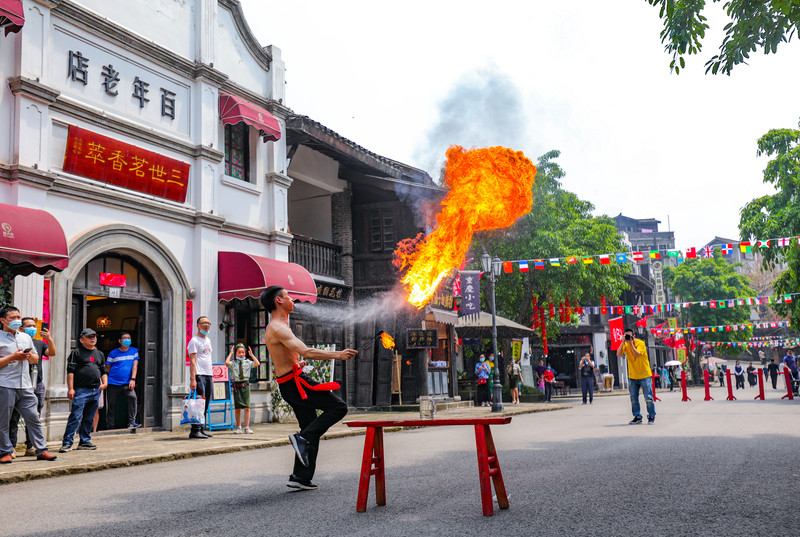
110	310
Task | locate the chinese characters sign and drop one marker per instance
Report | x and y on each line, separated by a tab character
470	293
104	159
422	339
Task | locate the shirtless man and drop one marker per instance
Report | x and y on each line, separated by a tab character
298	389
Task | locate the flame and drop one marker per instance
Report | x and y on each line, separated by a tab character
387	341
489	188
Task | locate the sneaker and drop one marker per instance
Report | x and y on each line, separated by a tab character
248	430
651	420
7	458
300	484
86	445
300	446
134	425
635	421
238	430
14	454
45	456
65	448
30	452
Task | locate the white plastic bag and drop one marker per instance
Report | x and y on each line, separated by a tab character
194	409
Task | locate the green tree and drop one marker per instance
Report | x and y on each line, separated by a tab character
754	25
778	215
697	280
559	225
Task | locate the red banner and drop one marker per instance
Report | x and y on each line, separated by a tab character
104	159
189	327
617	330
113	280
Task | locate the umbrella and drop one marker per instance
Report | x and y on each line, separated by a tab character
672	363
713	361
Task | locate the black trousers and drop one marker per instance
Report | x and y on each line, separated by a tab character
587	385
483	393
13	426
205	388
548	391
312	427
774	381
113	393
740	381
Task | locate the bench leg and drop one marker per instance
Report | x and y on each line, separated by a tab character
489	467
372	464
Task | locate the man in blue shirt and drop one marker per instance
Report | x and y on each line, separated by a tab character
122	365
790	360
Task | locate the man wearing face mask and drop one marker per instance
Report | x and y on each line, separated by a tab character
44	348
122	365
16	390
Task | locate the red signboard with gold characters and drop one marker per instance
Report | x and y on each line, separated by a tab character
102	158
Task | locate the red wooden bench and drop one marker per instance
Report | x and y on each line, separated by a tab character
488	464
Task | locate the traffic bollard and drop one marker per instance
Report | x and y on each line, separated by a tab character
708	388
655	397
787	373
760	385
683	387
730	386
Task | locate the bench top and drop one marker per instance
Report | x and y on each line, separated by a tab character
499	420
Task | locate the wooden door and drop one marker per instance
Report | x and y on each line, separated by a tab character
150	366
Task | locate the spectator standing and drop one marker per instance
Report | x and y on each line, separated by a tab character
482	371
790	361
639	376
86	379
200	371
539	380
549	377
738	372
16	389
514	380
122	366
240	365
773	373
587	378
44	348
751	375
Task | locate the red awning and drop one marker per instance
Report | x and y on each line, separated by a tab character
243	275
31	240
233	110
12	16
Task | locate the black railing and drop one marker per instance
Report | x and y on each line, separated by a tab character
316	256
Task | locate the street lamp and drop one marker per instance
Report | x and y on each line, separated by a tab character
491	270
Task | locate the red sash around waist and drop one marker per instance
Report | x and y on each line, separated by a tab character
300	382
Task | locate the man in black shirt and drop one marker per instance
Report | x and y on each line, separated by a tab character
86	378
773	373
44	348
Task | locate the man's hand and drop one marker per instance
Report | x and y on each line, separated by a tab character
45	333
193	384
347	354
71	394
103	386
132	384
19	355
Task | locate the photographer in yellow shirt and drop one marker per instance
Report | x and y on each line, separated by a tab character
639	375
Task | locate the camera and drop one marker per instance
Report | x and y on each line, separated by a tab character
627	337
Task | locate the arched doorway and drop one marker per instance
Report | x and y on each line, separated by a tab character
110	310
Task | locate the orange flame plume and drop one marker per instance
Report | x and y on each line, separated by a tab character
489	188
387	341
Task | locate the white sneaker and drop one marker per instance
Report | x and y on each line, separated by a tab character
248	430
238	430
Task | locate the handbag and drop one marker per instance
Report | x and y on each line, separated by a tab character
194	409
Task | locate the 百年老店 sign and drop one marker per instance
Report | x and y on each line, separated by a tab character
104	159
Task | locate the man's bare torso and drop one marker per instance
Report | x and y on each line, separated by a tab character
282	358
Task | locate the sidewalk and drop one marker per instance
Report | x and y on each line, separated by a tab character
121	450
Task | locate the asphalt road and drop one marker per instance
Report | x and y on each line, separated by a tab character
704	468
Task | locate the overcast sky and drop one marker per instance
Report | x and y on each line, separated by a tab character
589	78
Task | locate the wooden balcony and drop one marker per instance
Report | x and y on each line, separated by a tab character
317	257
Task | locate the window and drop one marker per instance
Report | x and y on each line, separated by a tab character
381	231
237	151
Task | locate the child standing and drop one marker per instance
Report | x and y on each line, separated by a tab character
240	365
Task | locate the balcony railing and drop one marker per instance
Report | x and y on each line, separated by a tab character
316	256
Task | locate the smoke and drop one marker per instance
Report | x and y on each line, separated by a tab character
378	307
483	109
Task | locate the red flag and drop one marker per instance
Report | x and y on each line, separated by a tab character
507	267
642	323
617	330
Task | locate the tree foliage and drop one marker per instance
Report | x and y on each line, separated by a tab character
754	25
560	224
711	279
778	215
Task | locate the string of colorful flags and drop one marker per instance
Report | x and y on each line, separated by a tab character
789	342
642	309
718	328
724	249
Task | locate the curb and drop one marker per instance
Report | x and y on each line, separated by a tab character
27	475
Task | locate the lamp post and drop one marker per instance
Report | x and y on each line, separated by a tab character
491	269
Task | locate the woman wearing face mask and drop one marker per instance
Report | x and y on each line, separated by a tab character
482	370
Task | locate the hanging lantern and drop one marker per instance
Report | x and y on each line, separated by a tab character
103	321
552	311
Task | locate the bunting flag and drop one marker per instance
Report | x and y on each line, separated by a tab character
523	266
507	267
605	260
622	259
708	251
745	247
655	254
555	262
588	260
691	253
727	249
763	244
538	264
638	256
673	253
719	328
572	260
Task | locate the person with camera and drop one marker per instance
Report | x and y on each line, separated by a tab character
587	378
16	389
639	376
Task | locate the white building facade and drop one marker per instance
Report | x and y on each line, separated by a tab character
152	130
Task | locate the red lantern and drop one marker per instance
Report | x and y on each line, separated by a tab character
552	311
603	300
